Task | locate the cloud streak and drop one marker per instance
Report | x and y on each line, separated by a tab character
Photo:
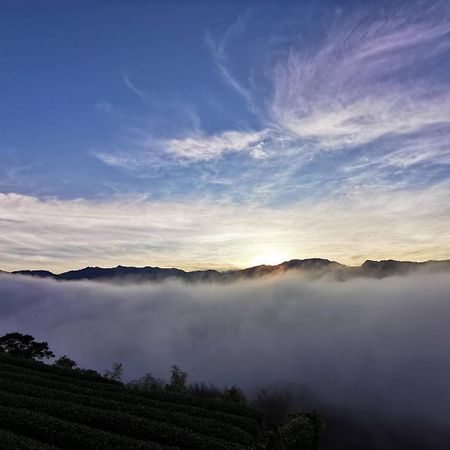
132	87
64	234
221	58
366	81
149	152
200	147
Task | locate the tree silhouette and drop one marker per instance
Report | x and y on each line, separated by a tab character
24	346
115	373
65	362
235	395
178	379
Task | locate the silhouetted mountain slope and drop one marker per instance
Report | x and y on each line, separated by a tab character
391	267
36	273
312	268
99	273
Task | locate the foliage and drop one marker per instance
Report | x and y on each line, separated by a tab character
207	403
65	362
178	383
103	384
69	409
274	405
95	390
236	395
52	370
117	422
204	390
301	432
202	425
12	441
24	346
65	434
59	405
147	383
178	380
115	373
92	373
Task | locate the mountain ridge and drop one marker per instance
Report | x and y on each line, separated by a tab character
312	267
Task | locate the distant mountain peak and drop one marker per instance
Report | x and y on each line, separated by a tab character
309	267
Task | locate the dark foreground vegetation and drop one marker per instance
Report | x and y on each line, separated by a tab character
45	406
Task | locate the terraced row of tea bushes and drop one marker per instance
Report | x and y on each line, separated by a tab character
123	395
199	424
71	373
207	403
162	395
63	434
121	423
12	441
61	385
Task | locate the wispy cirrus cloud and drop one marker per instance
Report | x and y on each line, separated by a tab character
13	171
221	59
108	109
132	87
370	87
367	79
148	151
200	147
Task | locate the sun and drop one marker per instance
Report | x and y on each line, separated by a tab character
270	259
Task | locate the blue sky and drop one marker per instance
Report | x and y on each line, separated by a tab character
223	134
90	78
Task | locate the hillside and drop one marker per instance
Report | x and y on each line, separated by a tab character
48	407
312	267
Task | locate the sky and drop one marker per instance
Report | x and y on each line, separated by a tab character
223	134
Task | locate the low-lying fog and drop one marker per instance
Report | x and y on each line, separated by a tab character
375	346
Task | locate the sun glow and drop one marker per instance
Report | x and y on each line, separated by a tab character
270	259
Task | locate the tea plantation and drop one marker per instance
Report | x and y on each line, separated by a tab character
50	407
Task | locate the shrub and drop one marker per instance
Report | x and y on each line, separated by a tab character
205	390
199	424
12	441
147	383
52	370
239	415
211	391
115	373
78	386
301	432
65	362
65	434
236	395
274	406
118	422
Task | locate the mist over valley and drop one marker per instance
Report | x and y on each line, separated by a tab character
370	351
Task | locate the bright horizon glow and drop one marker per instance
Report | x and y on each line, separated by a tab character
271	258
67	235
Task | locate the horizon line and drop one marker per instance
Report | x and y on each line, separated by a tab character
223	270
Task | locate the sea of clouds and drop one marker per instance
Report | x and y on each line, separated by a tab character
364	345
